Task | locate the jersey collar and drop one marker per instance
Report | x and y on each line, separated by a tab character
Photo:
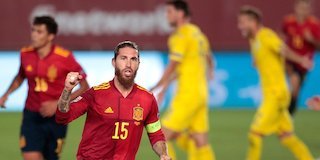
130	95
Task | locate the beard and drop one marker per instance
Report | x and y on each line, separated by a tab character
125	81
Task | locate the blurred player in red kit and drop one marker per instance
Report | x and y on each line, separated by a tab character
302	34
314	103
45	66
117	112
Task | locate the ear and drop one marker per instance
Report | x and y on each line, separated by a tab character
113	62
180	14
51	37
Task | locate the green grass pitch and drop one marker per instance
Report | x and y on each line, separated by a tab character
228	135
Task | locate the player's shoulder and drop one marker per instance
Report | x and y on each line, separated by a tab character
190	29
27	49
144	91
101	87
61	51
266	32
313	20
289	18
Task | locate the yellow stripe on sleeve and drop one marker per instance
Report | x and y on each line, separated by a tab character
175	57
153	127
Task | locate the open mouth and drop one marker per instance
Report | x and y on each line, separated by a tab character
128	72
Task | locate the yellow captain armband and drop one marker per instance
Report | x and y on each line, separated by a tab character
153	127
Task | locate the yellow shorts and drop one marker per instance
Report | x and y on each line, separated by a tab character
187	114
273	117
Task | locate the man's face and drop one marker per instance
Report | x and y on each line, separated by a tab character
173	15
245	25
40	36
302	9
126	65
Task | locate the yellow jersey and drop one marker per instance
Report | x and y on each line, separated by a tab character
270	64
189	46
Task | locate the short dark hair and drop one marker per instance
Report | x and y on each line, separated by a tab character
305	1
123	45
49	22
180	5
252	12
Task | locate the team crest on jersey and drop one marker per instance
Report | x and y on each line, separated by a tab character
29	68
52	73
137	113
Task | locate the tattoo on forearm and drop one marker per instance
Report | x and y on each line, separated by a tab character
65	95
161	148
64	101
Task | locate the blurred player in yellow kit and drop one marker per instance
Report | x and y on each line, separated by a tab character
191	64
272	117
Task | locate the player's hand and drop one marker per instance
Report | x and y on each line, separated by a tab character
48	108
307	35
72	79
314	103
165	157
3	100
306	63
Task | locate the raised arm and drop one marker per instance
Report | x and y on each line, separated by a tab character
66	112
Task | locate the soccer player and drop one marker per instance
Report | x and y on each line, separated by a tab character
302	34
116	111
190	62
45	66
268	52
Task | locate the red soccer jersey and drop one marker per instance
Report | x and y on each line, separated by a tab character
46	76
294	32
114	124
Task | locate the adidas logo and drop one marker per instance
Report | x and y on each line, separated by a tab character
108	110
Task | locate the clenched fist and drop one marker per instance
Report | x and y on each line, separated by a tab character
72	79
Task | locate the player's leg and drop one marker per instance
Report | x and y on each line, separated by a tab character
183	141
264	123
296	78
291	141
55	139
31	136
32	155
176	121
200	148
255	146
170	137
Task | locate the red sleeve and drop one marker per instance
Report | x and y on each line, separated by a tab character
153	125
316	31
75	66
21	72
78	107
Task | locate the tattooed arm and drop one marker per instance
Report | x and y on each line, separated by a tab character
67	112
160	148
73	78
64	100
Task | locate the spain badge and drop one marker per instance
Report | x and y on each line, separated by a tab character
137	113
